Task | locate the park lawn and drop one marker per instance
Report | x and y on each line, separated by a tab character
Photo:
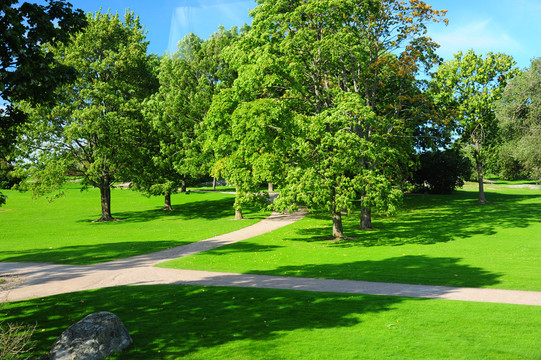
192	322
434	240
62	231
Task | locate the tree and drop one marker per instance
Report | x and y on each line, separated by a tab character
96	125
471	85
171	143
306	55
519	115
189	78
442	171
26	73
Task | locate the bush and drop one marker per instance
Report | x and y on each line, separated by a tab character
15	338
7	179
441	171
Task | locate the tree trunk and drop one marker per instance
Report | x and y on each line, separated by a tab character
271	187
183	187
238	214
366	218
105	192
337	229
238	206
167	204
213	183
480	179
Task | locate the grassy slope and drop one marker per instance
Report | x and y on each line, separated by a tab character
440	240
62	231
189	322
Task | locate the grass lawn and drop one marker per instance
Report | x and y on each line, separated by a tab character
435	240
62	231
190	322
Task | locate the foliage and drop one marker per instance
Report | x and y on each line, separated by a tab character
519	113
306	57
96	124
7	175
443	171
501	162
188	80
26	73
331	158
471	85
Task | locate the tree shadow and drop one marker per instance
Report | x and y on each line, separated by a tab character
408	269
174	321
241	247
89	254
211	209
430	219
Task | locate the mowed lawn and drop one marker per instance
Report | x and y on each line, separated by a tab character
191	322
446	240
62	231
434	239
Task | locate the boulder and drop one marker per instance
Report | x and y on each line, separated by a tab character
95	337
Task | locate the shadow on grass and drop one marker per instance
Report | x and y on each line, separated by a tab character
169	322
412	269
212	209
172	321
205	209
88	254
430	219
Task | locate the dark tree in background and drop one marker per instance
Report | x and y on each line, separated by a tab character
441	171
26	72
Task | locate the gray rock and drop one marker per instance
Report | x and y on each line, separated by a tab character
95	337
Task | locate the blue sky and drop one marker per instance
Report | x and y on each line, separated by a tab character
509	26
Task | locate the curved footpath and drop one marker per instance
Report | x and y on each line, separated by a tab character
32	280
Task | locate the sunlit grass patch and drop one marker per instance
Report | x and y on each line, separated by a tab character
434	239
62	231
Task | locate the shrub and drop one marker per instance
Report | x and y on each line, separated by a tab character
441	171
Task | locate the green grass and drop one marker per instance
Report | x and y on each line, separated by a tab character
62	231
190	322
433	240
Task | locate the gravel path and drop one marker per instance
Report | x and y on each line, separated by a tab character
32	280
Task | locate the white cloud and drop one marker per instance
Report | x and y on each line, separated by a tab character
203	17
482	36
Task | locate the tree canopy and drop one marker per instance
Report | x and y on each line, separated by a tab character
519	113
188	80
26	72
308	59
471	85
95	127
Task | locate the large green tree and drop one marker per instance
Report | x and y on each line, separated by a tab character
310	57
472	84
519	115
95	128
